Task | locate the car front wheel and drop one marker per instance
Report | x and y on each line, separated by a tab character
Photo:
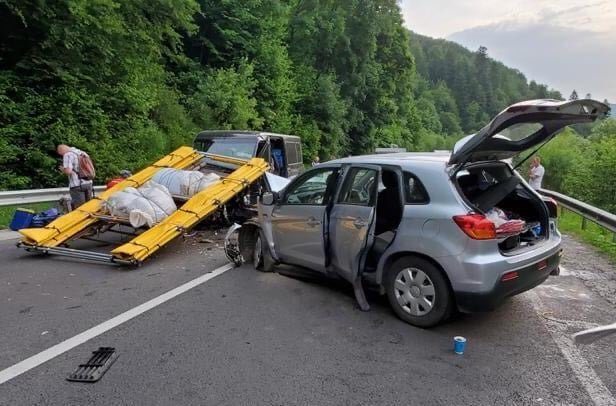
418	292
257	253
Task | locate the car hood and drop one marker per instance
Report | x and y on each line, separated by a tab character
523	126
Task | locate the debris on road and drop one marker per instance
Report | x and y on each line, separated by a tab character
459	345
93	370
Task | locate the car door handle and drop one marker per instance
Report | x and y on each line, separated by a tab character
312	222
359	223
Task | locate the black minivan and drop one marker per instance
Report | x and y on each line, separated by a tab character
283	152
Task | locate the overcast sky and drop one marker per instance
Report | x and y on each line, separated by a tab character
566	44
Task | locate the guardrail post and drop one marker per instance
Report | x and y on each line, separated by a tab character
583	223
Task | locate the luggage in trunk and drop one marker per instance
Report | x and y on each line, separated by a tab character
520	216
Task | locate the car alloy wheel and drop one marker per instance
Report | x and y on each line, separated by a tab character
414	291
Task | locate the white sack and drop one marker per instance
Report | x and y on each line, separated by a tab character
497	216
149	204
184	183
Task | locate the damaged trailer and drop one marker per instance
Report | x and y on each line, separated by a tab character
112	211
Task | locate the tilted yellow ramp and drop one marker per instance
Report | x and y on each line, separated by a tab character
71	224
192	212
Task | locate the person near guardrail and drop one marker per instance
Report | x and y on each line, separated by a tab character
79	177
535	173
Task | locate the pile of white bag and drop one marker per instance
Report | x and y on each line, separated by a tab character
184	183
148	205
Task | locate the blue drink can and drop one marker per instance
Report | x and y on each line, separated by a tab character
459	343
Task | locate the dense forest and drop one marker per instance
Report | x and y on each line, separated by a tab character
128	80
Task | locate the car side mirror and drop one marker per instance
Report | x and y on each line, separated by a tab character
269	198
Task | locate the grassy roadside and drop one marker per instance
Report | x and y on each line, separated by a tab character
6	212
594	235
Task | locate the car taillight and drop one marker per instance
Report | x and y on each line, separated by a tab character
476	226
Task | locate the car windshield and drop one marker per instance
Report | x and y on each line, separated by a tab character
231	147
520	131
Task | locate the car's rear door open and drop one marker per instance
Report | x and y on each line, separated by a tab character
351	224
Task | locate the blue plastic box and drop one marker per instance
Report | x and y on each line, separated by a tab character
21	219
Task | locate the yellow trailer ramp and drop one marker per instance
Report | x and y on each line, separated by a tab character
192	212
70	225
74	224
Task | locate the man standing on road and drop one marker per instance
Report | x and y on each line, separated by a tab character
536	173
79	186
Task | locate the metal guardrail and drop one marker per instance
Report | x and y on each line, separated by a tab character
17	197
603	218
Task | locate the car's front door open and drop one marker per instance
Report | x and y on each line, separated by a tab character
298	219
351	225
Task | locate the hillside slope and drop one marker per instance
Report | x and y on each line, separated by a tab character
479	85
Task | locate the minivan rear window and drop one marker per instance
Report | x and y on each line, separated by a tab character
294	152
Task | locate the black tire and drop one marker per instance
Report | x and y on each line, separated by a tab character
257	252
254	250
419	315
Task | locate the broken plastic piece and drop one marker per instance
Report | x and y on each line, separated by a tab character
95	368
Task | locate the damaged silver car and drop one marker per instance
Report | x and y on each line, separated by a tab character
420	227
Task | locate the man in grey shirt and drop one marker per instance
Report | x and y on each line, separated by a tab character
80	189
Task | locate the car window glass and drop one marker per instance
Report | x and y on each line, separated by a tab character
309	190
520	131
298	152
291	152
243	148
358	188
414	190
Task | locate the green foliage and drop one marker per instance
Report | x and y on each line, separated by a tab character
128	80
478	86
594	234
593	178
560	156
224	99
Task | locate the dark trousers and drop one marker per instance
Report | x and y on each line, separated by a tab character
80	195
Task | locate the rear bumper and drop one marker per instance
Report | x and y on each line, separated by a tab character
528	277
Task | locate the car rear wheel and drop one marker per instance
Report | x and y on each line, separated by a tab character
418	292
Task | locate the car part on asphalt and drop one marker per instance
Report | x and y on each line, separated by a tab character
591	335
93	370
232	246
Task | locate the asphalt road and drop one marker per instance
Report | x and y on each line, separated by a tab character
253	338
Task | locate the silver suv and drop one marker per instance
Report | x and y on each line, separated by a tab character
421	226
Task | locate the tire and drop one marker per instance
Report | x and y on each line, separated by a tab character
253	249
257	252
418	292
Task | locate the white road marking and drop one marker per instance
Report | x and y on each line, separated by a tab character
585	374
58	349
